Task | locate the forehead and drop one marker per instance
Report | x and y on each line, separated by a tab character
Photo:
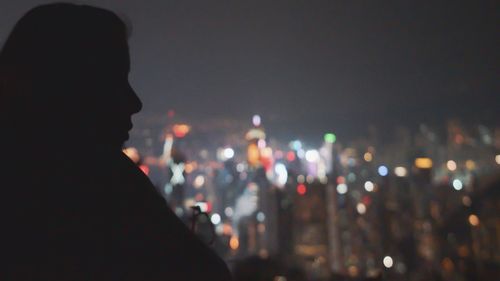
108	55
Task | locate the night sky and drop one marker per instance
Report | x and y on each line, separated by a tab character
310	66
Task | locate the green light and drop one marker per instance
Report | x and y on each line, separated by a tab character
330	138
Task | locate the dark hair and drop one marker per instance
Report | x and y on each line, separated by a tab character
44	45
64	71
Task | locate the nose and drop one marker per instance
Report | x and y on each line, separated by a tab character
133	101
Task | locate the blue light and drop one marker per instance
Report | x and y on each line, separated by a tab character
383	171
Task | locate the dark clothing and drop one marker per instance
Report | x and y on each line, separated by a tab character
98	218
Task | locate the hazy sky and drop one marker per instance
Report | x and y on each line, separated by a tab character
316	64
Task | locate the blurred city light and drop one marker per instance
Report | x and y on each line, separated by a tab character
234	243
368	157
470	165
457	184
296	145
423	163
340	179
301	153
383	171
256	120
261	143
228	153
361	208
400	171
282	174
388	262
312	155
301	189
181	130
199	181
451	165
342	188
260	217
203	206
228	211
132	153
369	186
296	174
215	218
473	220
330	138
144	169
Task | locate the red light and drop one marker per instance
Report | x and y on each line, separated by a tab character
367	200
290	156
301	189
180	130
171	113
340	179
144	169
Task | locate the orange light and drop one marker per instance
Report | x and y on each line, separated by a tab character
234	243
423	163
473	220
253	154
368	157
181	130
133	154
190	167
227	229
301	189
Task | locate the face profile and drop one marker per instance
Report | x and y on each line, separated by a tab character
69	65
73	206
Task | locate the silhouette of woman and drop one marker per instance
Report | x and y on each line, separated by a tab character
73	207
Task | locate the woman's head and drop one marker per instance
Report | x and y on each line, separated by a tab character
64	68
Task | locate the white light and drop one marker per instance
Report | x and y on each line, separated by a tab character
361	208
199	181
383	171
203	206
228	211
342	188
177	173
282	174
301	178
301	153
369	186
256	120
457	184
228	153
312	155
451	165
261	216
388	262
261	143
215	218
400	171
240	167
309	179
497	159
